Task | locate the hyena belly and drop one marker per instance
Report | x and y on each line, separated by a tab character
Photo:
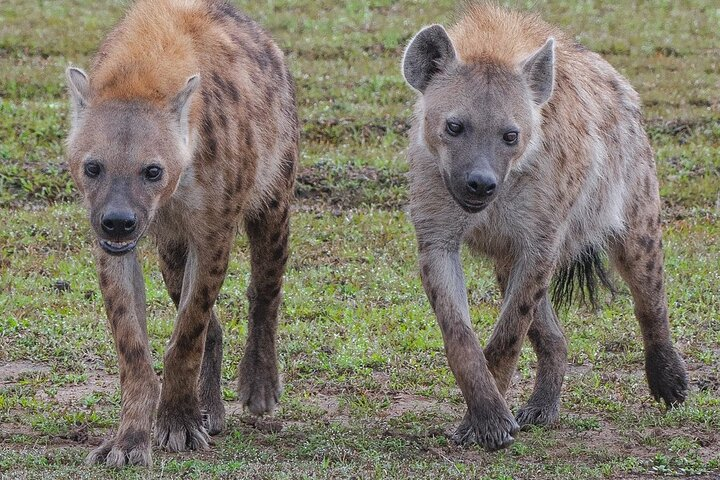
530	149
186	128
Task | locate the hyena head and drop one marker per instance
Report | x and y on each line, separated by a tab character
478	119
126	157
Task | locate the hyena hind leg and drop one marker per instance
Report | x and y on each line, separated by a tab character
173	256
638	258
548	341
259	382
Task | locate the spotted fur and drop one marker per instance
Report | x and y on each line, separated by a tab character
195	89
579	177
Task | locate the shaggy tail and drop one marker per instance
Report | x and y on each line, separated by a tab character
581	280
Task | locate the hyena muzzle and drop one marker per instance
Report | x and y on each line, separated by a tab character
185	127
531	150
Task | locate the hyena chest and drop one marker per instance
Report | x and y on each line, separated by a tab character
530	216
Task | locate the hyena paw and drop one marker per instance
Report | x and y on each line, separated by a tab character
129	448
535	414
666	375
492	430
259	389
213	416
179	429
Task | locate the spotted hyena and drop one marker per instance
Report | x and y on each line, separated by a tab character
185	127
530	149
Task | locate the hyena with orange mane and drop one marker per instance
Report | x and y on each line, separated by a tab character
185	127
530	149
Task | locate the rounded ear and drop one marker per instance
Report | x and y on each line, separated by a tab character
79	87
428	53
539	72
181	106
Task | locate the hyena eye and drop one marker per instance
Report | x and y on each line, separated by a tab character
92	169
153	173
511	138
454	128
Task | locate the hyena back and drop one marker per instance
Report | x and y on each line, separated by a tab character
530	149
185	126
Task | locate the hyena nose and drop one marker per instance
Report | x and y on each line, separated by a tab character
481	184
119	223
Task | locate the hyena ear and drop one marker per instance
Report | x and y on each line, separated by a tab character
79	87
181	106
539	72
428	53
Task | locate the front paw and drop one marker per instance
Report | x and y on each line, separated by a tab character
180	427
213	415
666	375
490	428
535	414
131	447
258	387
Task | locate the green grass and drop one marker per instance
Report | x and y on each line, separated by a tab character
368	392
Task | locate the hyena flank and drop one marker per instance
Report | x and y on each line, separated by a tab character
531	150
185	126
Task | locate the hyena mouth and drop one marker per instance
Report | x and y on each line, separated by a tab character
472	207
117	248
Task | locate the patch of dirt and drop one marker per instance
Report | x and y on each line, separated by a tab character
10	371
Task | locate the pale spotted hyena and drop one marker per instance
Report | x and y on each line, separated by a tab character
530	149
184	128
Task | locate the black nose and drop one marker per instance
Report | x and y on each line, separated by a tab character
481	184
118	223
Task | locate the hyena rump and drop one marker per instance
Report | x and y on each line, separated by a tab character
530	149
185	127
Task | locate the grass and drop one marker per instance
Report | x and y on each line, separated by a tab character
367	389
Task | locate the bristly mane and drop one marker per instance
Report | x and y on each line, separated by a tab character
488	32
152	51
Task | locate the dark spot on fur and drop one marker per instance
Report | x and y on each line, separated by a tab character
132	354
209	138
205	299
121	311
222	118
650	265
659	285
647	243
186	340
540	294
109	302
279	253
426	271
524	309
274	204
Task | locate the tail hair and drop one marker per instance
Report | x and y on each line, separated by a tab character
581	280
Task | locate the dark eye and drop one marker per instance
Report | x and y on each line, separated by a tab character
454	128
153	173
511	138
92	169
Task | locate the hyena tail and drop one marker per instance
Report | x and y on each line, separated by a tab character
581	280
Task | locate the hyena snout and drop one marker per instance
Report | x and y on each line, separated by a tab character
118	223
481	185
118	229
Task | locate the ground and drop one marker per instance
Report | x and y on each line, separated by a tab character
368	393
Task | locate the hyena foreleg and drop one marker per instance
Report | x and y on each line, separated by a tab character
527	285
638	257
173	255
488	420
180	424
259	382
123	289
550	346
